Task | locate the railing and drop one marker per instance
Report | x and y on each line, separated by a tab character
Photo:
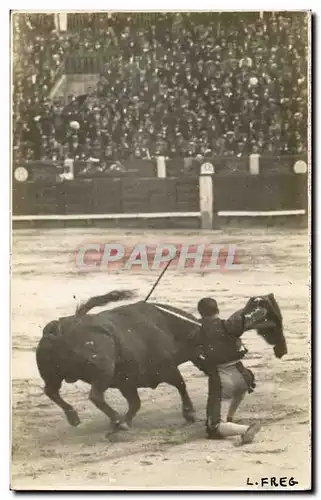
175	167
81	21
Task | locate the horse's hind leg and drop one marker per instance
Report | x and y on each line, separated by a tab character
96	396
173	377
52	391
46	362
133	400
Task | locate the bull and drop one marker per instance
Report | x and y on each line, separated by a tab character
135	345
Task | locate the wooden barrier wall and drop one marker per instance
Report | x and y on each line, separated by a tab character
106	196
250	186
265	192
131	195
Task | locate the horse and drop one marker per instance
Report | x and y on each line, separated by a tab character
135	345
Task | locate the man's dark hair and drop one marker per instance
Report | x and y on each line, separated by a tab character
207	307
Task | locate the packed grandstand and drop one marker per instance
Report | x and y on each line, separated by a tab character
171	84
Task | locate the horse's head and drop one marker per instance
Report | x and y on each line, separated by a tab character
262	313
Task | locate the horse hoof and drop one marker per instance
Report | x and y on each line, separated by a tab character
190	417
123	426
120	426
73	419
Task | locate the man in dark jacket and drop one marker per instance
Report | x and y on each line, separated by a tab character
228	378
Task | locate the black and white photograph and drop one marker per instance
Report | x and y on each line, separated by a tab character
160	268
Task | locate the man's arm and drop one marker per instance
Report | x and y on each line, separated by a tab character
234	325
235	328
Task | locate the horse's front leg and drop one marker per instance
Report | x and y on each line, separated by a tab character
96	396
133	400
173	377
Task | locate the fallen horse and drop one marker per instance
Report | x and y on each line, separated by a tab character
135	345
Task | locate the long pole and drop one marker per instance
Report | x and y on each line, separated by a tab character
159	278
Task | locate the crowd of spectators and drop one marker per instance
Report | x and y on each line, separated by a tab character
178	85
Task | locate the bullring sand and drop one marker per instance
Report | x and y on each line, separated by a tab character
160	451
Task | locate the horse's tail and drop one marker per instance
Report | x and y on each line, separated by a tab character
103	300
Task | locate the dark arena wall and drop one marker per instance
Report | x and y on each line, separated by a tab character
277	192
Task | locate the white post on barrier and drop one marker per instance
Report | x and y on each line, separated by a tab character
69	164
161	167
254	164
206	195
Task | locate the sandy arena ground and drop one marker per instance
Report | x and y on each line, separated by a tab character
160	451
